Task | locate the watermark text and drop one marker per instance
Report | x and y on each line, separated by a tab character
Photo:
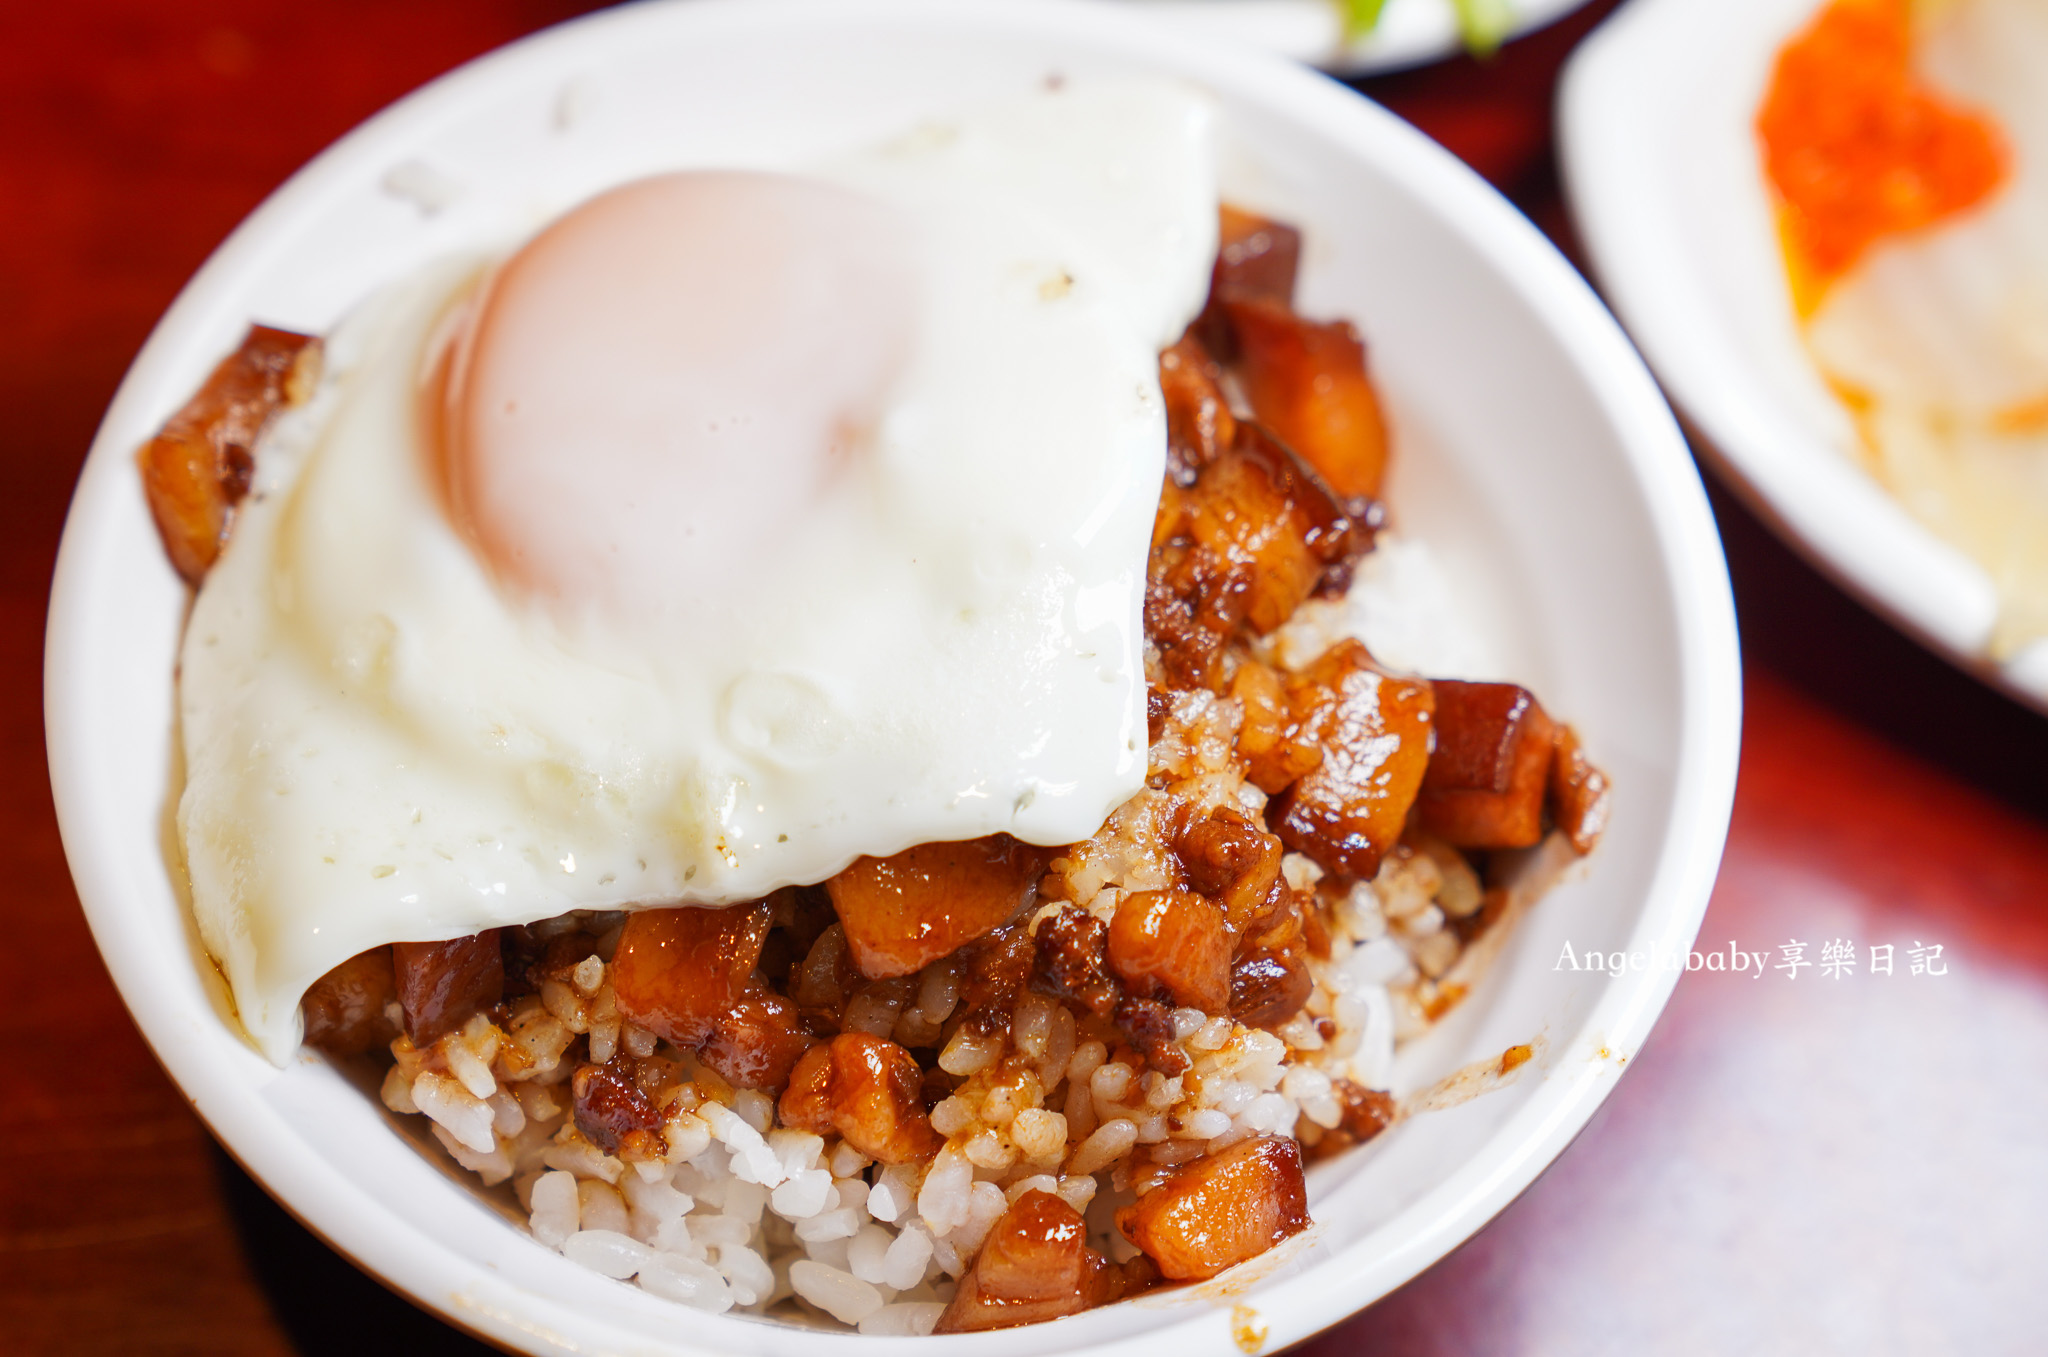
1839	959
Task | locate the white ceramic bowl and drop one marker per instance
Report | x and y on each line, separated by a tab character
1534	453
1409	33
1666	181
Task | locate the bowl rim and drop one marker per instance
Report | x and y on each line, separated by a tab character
1614	108
1294	1307
1309	31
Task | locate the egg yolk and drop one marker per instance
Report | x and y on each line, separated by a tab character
1859	149
657	384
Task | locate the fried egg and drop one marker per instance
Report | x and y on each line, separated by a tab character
739	523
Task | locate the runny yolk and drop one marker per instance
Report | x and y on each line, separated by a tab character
1859	149
655	388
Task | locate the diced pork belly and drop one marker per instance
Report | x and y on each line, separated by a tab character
1269	977
1578	793
904	912
1073	961
1363	1114
1035	1265
1486	784
866	1090
1374	729
758	1041
1238	550
1307	383
1271	524
1276	746
344	1010
1221	1210
441	984
994	971
1199	424
199	465
1232	860
1172	944
614	1113
680	972
1255	257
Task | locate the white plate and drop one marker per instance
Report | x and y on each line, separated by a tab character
1658	110
1409	33
1534	453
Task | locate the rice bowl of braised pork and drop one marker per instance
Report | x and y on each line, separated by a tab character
1430	662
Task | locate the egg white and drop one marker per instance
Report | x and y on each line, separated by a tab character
381	745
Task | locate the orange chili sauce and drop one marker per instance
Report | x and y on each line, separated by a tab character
1859	149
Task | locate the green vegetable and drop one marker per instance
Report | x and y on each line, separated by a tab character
1483	24
1360	17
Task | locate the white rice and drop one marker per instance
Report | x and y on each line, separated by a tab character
746	1215
742	1214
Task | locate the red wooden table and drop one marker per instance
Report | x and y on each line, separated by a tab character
1807	1163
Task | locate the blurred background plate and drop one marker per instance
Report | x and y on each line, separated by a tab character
1410	32
1656	135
